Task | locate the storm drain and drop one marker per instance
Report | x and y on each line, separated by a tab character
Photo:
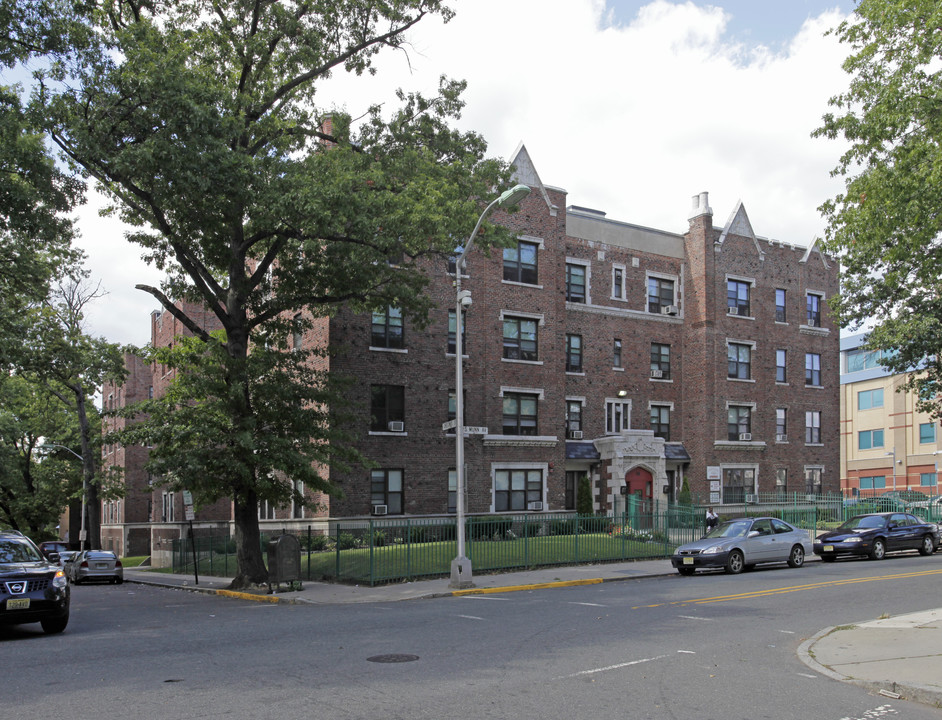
393	658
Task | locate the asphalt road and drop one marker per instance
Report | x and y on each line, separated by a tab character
699	648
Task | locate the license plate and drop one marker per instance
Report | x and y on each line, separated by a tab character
828	548
101	566
688	561
18	604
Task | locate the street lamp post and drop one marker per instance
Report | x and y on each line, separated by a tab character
893	453
82	531
461	576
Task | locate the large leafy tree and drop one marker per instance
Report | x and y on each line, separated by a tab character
34	484
203	120
886	225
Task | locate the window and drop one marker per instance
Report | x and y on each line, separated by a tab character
573	418
618	283
740	361
520	338
867	399
737	297
737	483
297	333
575	283
868	439
617	415
660	294
453	411
520	263
386	489
451	332
928	479
297	508
875	482
661	421
781	365
452	490
812	369
266	510
616	353
660	361
515	489
813	483
781	482
574	353
738	422
857	360
813	427
166	510
926	433
519	414
781	424
813	314
780	305
387	406
386	328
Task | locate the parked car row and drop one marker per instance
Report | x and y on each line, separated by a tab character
742	543
94	565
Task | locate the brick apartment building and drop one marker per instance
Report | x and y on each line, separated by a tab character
638	357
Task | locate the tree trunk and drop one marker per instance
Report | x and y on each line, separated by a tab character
251	565
93	504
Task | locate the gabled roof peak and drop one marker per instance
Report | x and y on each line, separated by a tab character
524	171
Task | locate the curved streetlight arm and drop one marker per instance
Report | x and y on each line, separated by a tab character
508	197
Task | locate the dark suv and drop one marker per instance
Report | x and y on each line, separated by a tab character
32	589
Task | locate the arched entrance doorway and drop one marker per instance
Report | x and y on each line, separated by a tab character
640	482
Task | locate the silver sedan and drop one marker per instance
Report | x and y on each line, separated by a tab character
95	565
736	545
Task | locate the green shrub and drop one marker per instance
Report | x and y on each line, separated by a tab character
346	541
317	543
419	534
379	538
585	504
567	526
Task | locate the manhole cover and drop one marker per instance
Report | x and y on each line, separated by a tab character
393	658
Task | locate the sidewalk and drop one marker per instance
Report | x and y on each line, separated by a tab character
895	657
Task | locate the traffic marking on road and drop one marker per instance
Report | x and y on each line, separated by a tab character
608	668
789	589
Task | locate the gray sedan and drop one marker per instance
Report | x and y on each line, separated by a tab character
740	544
95	565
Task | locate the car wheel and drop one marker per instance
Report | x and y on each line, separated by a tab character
51	626
735	562
118	581
878	549
797	557
828	558
686	570
928	546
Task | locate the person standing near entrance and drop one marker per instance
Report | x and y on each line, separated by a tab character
711	519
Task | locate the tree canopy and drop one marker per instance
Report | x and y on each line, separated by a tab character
261	199
886	224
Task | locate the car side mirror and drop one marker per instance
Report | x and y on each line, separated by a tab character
753	533
53	557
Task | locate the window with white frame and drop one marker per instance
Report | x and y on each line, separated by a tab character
738	294
781	425
739	361
661	293
660	361
739	422
520	263
780	313
813	479
617	415
386	489
618	282
520	338
386	328
869	439
576	282
928	479
573	418
813	369
781	481
813	303
869	399
520	413
616	353
926	433
781	366
661	421
813	427
737	483
574	353
517	488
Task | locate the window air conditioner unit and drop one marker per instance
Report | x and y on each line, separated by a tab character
669	310
745	436
657	373
535	505
396	426
781	437
379	509
732	310
575	434
751	498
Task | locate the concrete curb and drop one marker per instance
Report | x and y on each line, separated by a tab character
913	692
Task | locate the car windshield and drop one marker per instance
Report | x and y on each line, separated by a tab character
731	529
15	551
864	522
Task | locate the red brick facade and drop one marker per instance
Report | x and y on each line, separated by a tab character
590	288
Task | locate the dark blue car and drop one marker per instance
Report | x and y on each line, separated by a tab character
875	534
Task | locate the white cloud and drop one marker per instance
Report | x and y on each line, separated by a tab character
630	119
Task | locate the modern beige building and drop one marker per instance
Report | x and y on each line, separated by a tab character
886	444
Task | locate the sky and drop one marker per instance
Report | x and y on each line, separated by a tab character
632	106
